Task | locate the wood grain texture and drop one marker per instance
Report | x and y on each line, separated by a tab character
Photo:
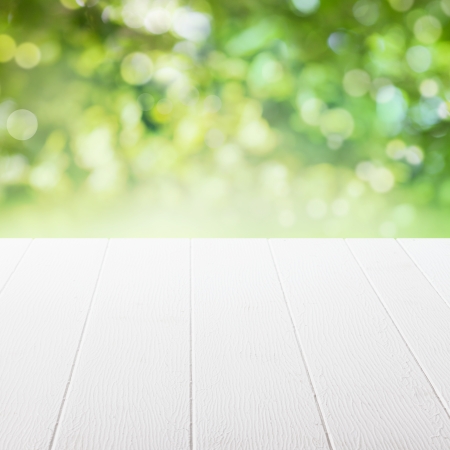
251	389
11	252
371	390
432	256
42	312
131	385
421	315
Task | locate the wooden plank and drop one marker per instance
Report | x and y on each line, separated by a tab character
432	256
42	312
131	385
251	388
372	392
11	252
421	315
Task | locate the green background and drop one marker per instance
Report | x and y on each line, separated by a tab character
224	118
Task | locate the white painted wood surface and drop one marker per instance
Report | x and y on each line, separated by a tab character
208	344
372	392
432	257
251	389
11	252
131	385
43	308
421	315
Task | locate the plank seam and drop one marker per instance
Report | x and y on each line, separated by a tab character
16	266
297	338
75	360
191	400
422	272
398	330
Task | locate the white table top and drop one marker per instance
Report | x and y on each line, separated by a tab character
224	344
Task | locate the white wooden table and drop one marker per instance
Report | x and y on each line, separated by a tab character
224	344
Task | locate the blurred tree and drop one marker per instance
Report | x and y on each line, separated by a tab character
296	112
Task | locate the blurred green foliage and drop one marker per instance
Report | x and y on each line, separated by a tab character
224	117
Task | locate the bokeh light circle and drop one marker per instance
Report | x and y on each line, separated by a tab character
401	5
7	48
136	68
27	55
22	124
356	82
429	88
190	25
366	12
337	121
306	6
87	3
311	110
382	180
445	6
158	21
146	101
419	58
427	29
212	104
70	4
